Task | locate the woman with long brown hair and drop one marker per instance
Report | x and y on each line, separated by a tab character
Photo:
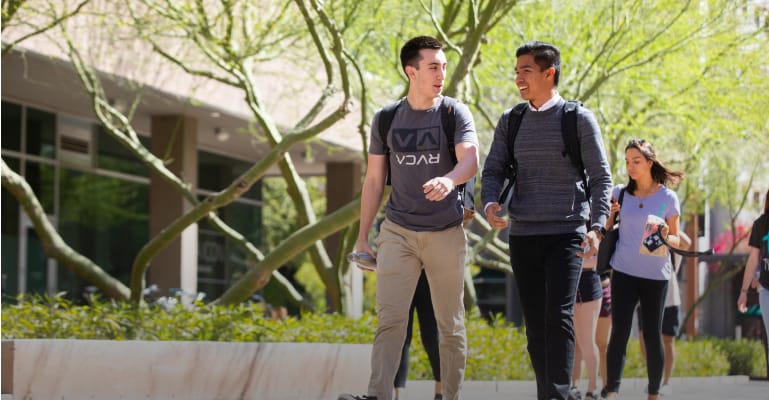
650	212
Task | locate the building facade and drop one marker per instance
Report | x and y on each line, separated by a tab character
106	203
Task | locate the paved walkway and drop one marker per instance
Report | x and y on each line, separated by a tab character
716	388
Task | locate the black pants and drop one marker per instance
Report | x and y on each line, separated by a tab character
428	330
547	270
626	292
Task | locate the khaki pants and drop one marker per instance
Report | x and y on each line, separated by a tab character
402	255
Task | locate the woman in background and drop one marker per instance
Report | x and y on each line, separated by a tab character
586	312
603	326
641	263
757	269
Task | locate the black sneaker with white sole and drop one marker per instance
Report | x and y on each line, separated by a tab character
574	393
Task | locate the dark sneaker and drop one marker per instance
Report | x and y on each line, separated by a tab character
352	397
363	260
438	396
605	395
574	393
592	396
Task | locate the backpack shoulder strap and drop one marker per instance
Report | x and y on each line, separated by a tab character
514	118
513	124
621	196
386	115
449	123
571	140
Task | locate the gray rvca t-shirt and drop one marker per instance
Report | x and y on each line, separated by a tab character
418	153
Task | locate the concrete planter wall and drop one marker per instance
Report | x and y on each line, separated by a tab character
94	369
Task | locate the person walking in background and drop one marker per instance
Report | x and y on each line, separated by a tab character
549	210
603	326
428	331
641	263
757	268
670	320
423	219
586	311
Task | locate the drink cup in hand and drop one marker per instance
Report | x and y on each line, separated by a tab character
363	260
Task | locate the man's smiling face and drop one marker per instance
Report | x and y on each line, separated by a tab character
534	83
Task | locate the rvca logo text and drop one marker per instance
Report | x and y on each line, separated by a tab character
422	159
425	141
416	140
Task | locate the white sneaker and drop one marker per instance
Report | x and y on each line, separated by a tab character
666	391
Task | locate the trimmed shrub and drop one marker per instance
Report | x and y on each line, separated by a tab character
745	357
496	350
700	358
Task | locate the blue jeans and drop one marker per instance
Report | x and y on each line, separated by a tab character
763	302
547	269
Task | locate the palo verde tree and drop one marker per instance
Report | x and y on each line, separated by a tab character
227	42
660	69
686	75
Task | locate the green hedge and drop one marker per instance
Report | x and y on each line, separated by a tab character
495	351
746	357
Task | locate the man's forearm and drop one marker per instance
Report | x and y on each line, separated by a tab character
371	199
464	170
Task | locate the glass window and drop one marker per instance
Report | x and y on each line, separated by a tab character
212	248
221	262
106	220
41	133
41	178
217	172
76	141
37	264
245	218
10	235
114	156
11	116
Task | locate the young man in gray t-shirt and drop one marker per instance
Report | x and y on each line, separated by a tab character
423	224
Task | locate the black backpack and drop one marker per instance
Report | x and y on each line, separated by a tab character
570	141
449	123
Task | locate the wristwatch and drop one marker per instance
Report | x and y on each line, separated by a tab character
601	231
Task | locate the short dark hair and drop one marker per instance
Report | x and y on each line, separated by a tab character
545	55
410	50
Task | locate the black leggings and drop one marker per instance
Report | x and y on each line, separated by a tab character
626	292
428	330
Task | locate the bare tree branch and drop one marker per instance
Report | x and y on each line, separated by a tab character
53	244
13	8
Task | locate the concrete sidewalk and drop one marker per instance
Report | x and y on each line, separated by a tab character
716	388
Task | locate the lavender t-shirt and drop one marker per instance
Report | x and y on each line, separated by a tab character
418	153
631	256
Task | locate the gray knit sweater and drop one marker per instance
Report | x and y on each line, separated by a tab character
548	197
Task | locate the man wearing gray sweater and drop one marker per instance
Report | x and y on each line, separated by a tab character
549	211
